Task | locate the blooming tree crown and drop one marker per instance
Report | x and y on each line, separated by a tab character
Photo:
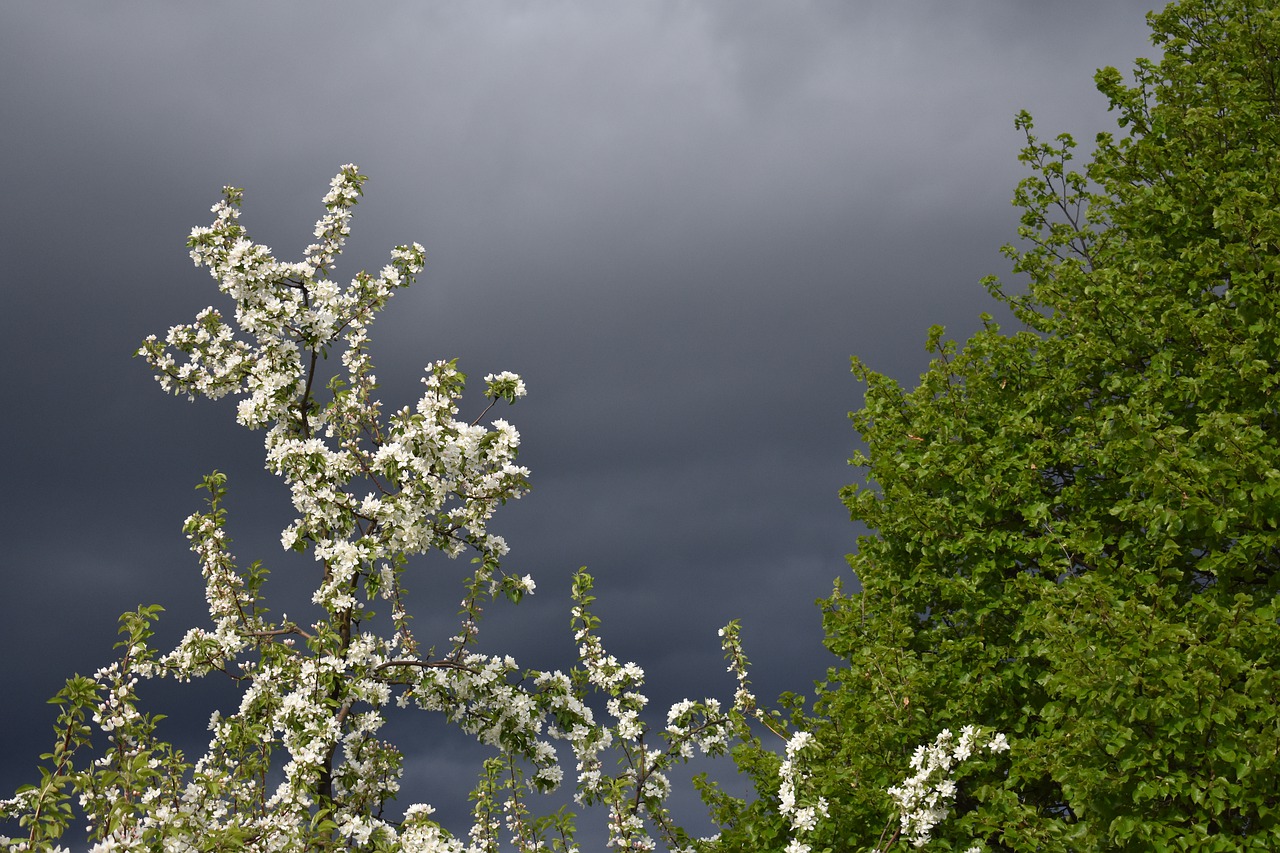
371	492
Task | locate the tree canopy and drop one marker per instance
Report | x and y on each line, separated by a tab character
1075	528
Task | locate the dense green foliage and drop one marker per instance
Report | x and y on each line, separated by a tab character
1076	528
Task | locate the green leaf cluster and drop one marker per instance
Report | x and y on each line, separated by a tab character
1075	528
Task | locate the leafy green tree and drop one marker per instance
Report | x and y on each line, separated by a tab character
1076	527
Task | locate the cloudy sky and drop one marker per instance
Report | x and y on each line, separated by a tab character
676	220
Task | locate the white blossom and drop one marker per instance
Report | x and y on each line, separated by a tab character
371	492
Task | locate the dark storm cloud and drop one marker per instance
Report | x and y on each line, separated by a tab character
677	220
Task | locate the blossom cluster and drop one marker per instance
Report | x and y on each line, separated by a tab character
803	819
924	798
300	763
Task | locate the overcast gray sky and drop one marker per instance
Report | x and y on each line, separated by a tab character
676	220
